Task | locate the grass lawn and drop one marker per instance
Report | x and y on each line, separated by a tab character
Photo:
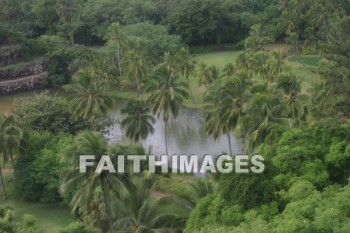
22	63
51	218
303	66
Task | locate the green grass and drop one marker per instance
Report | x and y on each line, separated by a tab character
219	59
310	60
51	218
21	64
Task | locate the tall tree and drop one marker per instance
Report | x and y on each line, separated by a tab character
166	93
67	9
223	106
117	38
10	139
138	121
186	65
136	68
141	212
83	185
88	96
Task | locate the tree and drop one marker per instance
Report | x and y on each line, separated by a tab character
88	96
140	212
136	68
138	122
264	111
67	9
116	37
166	92
83	185
185	65
223	106
10	139
256	40
291	85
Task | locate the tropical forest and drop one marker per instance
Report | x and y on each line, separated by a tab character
258	91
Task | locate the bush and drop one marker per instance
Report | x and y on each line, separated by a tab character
37	173
78	227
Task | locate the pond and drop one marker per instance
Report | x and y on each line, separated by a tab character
186	134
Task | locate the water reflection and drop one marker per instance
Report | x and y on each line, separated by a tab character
186	135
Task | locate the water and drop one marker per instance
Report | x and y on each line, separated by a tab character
186	136
186	133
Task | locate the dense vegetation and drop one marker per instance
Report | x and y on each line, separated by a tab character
97	50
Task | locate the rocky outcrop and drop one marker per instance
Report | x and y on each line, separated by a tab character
28	77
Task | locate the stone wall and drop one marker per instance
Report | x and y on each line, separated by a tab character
33	82
29	77
27	70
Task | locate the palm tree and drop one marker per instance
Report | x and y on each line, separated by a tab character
141	212
229	69
67	11
116	36
10	140
264	111
185	65
223	106
83	185
88	96
166	93
204	75
138	122
291	86
256	40
136	68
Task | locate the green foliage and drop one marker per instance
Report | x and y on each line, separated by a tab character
78	227
44	112
9	224
138	121
38	171
154	40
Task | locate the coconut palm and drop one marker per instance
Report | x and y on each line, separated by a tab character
84	185
166	92
291	85
136	68
10	139
88	96
229	69
223	106
264	111
140	212
204	75
186	65
244	63
256	40
67	11
138	123
116	37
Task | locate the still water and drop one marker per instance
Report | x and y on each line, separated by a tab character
186	133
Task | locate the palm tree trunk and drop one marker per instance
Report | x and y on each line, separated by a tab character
166	136
189	88
2	184
229	142
12	159
108	211
119	64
